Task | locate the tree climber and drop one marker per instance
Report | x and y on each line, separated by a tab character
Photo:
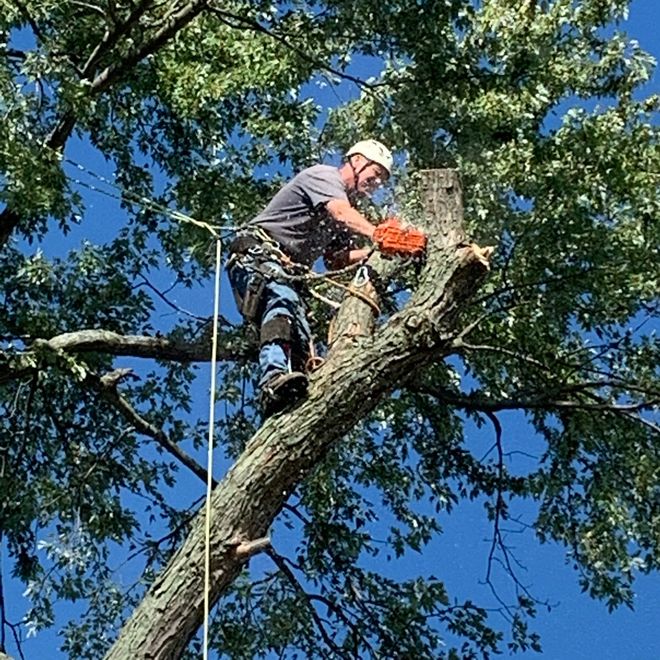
312	216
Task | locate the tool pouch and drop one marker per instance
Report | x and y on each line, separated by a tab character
250	304
250	299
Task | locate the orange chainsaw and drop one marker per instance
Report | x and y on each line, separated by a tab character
392	238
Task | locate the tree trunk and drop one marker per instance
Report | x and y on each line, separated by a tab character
359	372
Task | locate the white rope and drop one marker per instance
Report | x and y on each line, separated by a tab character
140	200
209	461
178	216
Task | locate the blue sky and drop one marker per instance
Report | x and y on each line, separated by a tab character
577	628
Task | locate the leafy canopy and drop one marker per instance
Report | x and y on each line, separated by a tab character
537	103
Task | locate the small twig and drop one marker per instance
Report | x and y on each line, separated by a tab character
499	501
368	614
461	345
34	384
295	512
458	341
557	279
184	522
498	538
88	5
167	301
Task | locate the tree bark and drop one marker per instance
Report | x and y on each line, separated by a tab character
359	372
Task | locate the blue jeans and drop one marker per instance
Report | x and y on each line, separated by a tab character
278	299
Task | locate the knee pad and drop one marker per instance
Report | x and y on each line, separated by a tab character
278	330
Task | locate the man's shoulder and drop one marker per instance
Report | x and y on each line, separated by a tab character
321	183
327	172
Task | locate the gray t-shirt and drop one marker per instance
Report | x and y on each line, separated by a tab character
297	219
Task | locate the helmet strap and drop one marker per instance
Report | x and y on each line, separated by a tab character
356	173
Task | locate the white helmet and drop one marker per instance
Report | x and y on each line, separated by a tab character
374	151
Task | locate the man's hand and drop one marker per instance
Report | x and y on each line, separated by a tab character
394	239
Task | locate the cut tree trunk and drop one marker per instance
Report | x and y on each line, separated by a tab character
359	372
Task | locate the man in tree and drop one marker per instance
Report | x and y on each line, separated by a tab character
312	216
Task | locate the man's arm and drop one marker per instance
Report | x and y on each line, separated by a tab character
343	258
342	212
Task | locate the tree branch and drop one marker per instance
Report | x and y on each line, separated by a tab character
112	343
176	22
138	346
111	37
107	386
544	402
298	588
142	346
461	345
246	549
250	24
30	20
162	295
500	512
15	54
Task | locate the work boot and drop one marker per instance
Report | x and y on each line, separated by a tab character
281	392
